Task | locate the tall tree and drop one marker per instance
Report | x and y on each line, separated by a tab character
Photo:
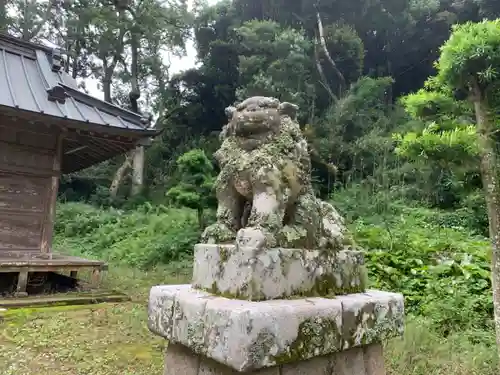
146	25
469	63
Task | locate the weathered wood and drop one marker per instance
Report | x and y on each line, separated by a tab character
27	171
19	232
22	283
13	261
27	175
48	225
24	193
95	278
138	170
65	299
24	156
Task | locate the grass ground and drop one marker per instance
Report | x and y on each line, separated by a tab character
87	340
113	338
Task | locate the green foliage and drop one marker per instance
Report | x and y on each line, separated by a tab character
443	147
355	131
433	257
274	61
471	54
444	150
425	104
430	256
344	43
195	189
423	351
142	237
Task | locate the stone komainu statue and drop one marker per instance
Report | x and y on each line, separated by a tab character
264	191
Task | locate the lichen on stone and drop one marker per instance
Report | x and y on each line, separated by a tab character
265	164
315	336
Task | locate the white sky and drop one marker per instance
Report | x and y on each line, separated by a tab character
176	64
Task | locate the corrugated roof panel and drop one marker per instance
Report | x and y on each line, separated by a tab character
45	69
89	113
73	112
130	125
28	82
38	88
20	85
67	79
112	120
5	95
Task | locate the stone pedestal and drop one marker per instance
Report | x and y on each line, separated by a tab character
279	312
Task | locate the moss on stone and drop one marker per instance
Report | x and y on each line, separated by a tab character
353	279
324	287
315	336
264	152
262	347
224	254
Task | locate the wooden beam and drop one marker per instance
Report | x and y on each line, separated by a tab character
96	278
48	226
22	170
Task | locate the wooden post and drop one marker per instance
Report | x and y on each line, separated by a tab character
95	279
48	225
22	284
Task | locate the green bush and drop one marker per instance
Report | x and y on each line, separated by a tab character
436	258
142	237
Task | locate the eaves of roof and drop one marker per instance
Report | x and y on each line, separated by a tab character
32	79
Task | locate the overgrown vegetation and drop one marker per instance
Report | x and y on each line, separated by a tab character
110	339
143	237
432	256
390	116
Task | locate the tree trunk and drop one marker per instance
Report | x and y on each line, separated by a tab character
201	218
106	82
3	16
489	173
323	79
137	170
342	81
119	175
135	94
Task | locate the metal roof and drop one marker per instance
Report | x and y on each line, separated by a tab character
35	89
32	79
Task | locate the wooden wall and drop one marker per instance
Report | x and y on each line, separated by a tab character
29	175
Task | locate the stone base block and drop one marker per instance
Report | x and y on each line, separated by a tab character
277	273
366	360
248	336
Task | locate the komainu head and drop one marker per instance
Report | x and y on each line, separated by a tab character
257	119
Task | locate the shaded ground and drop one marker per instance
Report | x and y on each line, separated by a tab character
112	339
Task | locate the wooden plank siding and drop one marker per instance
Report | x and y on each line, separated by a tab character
29	175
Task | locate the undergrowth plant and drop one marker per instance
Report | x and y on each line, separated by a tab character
142	238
